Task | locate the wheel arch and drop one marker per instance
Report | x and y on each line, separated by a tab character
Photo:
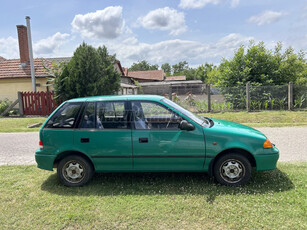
243	152
64	154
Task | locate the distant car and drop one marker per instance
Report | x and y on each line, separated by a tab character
142	133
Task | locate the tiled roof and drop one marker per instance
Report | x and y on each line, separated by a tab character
11	68
2	59
175	78
154	75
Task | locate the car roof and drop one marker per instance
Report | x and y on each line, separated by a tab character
118	98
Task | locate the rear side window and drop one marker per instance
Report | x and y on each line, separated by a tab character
112	115
65	117
88	120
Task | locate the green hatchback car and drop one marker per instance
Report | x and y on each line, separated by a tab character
142	133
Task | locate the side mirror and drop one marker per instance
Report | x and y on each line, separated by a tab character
185	125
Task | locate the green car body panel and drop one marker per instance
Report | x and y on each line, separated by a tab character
119	150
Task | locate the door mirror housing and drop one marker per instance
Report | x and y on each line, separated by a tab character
185	125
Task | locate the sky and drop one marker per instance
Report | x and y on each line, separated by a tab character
196	31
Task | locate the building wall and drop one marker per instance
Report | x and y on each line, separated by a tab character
10	87
179	89
126	80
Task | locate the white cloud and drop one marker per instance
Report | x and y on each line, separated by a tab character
107	23
50	45
234	3
176	50
198	4
164	19
266	17
232	41
9	48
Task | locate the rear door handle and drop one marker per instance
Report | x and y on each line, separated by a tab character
143	140
85	140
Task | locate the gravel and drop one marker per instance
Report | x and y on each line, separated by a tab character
19	148
291	142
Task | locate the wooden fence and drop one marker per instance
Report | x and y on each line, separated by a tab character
38	103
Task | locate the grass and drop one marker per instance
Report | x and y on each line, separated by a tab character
253	119
8	125
34	199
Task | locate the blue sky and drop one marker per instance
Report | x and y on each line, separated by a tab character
197	31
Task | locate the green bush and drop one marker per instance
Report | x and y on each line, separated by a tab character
4	104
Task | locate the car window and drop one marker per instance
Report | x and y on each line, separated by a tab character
65	117
150	115
112	115
88	118
206	122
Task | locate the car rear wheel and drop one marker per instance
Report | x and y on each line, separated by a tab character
232	170
74	171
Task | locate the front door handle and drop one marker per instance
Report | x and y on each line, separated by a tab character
85	140
143	140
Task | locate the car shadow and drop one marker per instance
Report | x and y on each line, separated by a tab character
115	184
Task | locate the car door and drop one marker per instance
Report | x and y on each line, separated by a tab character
58	132
159	144
104	134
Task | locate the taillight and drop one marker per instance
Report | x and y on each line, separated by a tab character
40	143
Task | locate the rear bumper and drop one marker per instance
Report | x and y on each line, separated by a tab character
267	160
43	160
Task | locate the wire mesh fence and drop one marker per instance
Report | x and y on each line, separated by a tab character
269	97
299	97
199	97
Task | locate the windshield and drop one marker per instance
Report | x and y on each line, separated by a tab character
204	121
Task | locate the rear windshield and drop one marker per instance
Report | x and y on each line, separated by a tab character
65	117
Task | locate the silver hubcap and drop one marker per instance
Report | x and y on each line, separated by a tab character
73	172
232	171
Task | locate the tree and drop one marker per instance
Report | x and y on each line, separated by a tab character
261	66
143	66
182	68
204	72
189	73
90	72
166	67
179	68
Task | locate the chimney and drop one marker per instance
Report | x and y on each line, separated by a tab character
23	44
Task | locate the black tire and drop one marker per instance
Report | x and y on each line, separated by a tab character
232	169
74	171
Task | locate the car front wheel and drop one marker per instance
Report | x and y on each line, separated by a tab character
74	171
232	170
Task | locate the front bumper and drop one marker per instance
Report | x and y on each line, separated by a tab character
267	160
43	160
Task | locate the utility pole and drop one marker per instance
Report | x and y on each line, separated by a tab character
31	54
